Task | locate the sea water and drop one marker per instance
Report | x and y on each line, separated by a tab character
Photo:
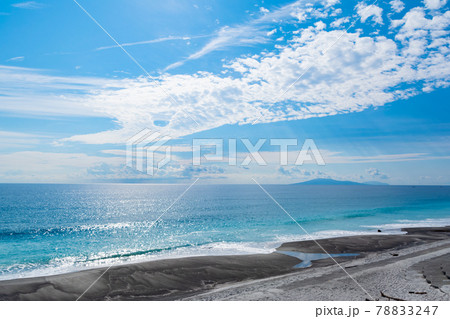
52	228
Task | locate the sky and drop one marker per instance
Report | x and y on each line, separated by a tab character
367	81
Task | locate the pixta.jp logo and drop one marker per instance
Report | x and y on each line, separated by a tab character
147	152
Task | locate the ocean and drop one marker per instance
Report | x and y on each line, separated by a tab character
49	229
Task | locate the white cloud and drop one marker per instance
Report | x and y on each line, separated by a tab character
184	148
158	40
358	72
415	26
37	166
336	12
332	157
376	173
300	14
271	32
330	3
9	139
434	4
251	33
50	167
16	59
33	91
28	5
337	23
299	172
369	11
226	37
115	152
397	5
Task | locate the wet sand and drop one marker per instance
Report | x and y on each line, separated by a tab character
413	266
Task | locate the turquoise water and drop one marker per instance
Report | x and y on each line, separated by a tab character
305	259
47	229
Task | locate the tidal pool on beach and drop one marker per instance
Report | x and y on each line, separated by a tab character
307	258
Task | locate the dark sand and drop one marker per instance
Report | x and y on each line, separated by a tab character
183	278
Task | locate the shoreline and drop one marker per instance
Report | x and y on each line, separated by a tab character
208	277
265	247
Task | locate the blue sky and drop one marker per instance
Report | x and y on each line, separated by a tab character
369	83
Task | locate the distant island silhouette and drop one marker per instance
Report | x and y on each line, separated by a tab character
329	181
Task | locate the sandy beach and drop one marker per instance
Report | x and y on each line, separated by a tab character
411	266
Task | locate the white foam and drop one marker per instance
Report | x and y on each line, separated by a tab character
406	223
72	264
